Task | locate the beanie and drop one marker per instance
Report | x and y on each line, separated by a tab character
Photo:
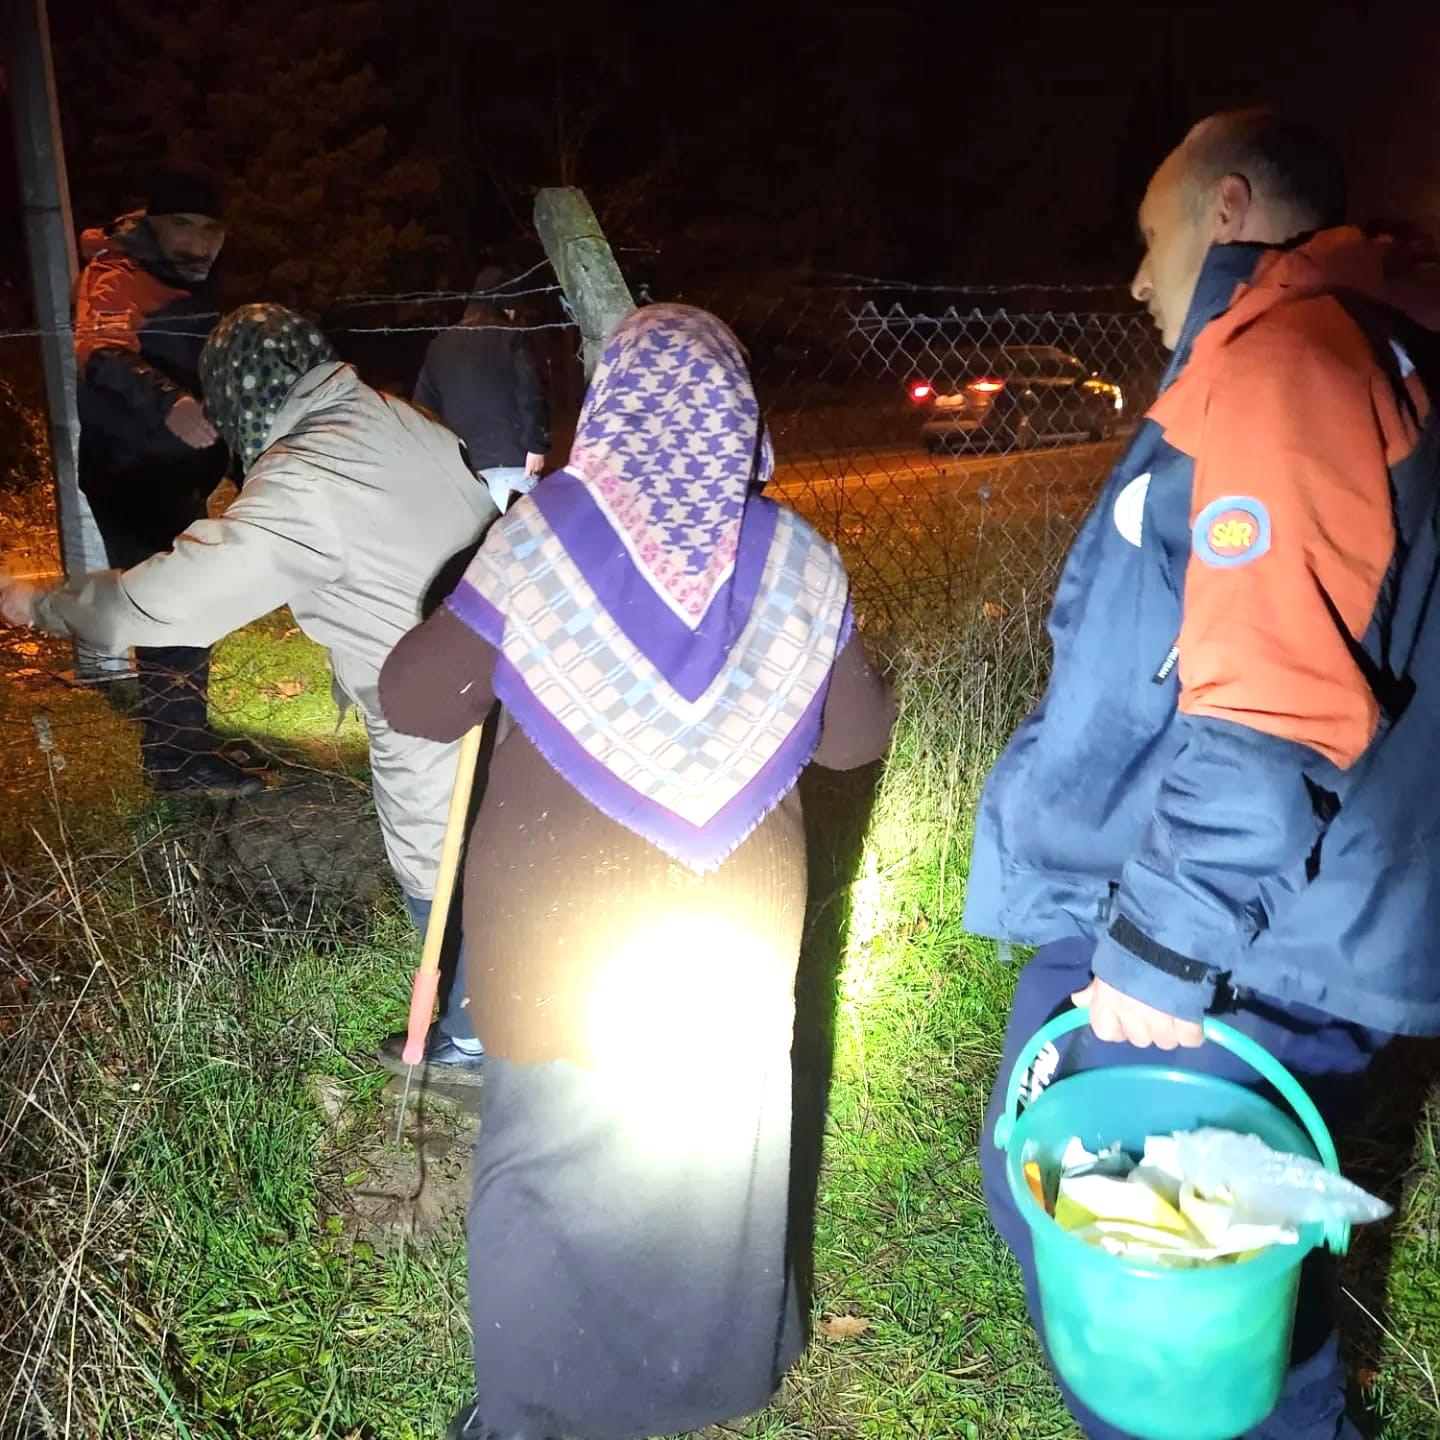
183	190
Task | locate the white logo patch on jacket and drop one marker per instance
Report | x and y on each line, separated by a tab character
1129	509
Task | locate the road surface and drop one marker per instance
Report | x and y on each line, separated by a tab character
911	526
1065	478
919	532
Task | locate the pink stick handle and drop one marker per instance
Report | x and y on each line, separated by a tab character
422	1006
427	978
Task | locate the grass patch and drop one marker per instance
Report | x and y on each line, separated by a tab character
171	1263
69	754
271	686
1391	1295
902	1239
165	1160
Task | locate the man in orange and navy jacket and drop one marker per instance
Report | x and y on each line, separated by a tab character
1220	805
149	459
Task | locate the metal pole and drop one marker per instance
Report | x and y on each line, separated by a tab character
50	238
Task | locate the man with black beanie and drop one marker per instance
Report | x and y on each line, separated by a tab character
149	459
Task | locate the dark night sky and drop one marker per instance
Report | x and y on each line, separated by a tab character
951	140
1365	72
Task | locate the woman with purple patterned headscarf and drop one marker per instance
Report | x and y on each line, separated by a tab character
670	650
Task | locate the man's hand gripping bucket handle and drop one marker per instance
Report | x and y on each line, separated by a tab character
1337	1233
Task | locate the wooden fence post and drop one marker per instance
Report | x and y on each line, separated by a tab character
585	266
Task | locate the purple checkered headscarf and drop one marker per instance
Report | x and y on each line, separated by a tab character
669	440
666	635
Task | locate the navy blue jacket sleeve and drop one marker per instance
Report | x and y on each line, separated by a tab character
1235	825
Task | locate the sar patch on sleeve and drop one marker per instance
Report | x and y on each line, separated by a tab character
1233	530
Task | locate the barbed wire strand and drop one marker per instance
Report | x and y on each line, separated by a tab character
156	330
502	290
428	297
868	317
875	282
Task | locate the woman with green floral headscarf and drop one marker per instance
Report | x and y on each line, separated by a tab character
256	356
352	502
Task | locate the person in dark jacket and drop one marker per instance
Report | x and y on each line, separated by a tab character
481	380
149	458
1213	811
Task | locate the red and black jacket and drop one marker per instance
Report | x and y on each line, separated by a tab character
139	331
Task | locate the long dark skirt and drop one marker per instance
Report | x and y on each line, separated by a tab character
629	1274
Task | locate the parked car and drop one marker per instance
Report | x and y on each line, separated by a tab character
1013	397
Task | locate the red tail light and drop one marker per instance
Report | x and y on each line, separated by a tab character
920	390
986	387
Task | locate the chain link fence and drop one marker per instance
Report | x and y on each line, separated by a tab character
949	451
71	757
949	448
950	445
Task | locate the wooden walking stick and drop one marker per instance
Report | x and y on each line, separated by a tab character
427	978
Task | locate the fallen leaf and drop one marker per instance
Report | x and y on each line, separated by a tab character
286	689
843	1327
993	611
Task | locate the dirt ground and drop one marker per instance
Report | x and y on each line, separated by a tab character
381	1190
308	845
310	839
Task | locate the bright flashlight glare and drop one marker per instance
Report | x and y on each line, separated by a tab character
865	901
866	963
685	1020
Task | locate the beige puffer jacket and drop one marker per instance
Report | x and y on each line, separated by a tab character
347	516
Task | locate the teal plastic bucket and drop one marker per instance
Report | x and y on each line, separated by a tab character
1164	1354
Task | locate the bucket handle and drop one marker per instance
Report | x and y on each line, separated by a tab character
1337	1232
